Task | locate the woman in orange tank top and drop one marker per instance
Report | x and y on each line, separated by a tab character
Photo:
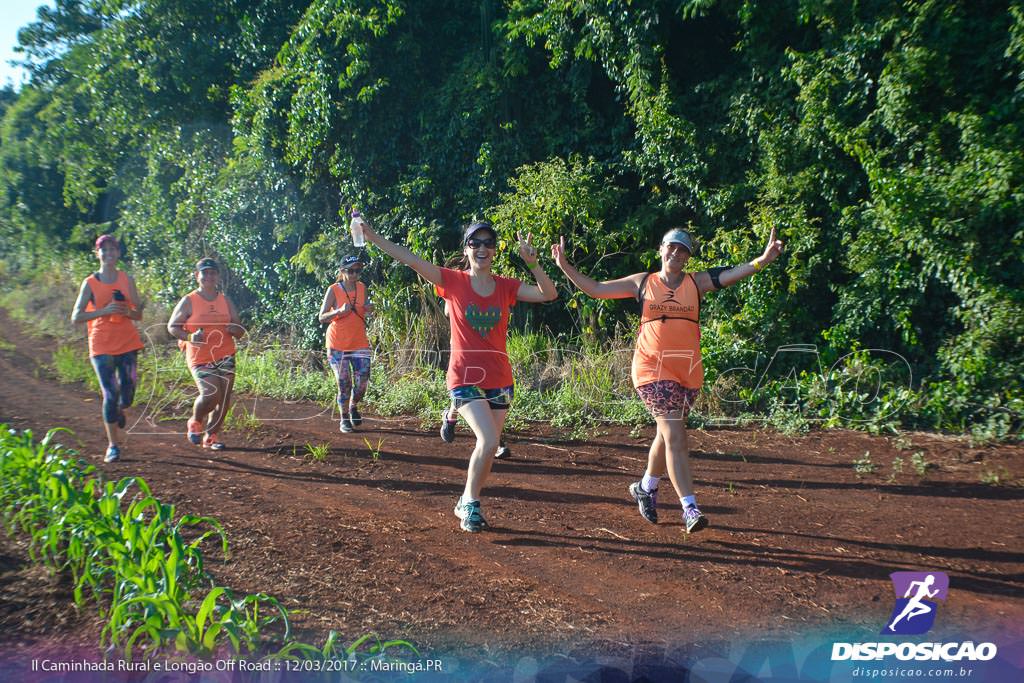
667	370
206	324
345	307
109	303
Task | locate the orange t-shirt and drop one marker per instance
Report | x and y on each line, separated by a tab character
348	332
213	317
479	328
110	334
668	344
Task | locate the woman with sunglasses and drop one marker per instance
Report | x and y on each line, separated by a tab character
206	323
345	307
109	303
479	373
667	370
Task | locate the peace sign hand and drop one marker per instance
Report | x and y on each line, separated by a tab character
526	249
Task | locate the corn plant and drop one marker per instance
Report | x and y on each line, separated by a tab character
133	555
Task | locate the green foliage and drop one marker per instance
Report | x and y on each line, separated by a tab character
863	464
881	139
318	452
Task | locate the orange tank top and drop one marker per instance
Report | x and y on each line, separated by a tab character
110	334
213	318
668	344
348	332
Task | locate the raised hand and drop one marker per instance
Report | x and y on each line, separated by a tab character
526	249
558	253
773	248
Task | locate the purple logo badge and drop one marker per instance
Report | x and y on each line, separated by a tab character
916	593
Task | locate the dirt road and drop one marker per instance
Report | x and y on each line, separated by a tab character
366	541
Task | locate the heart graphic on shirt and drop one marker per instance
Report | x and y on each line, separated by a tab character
483	321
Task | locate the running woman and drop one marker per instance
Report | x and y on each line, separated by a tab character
206	324
479	373
346	305
667	370
108	303
450	415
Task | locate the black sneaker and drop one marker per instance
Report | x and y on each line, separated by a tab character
356	418
694	519
345	425
646	501
447	428
503	450
472	519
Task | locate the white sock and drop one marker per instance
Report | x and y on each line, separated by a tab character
650	483
687	501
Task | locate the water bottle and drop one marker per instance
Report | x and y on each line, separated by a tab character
118	296
356	226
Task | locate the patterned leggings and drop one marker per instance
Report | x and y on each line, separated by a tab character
352	370
118	376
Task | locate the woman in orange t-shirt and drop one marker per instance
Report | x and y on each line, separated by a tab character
479	373
206	324
109	303
667	370
345	307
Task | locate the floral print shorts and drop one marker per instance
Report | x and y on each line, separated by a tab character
665	396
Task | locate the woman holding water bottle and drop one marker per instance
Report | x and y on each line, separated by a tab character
479	373
206	324
108	303
345	308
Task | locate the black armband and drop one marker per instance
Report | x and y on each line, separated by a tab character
715	273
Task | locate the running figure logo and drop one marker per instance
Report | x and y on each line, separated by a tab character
914	612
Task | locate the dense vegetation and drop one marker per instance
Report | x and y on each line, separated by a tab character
884	139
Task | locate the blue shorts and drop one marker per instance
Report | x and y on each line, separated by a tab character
499	399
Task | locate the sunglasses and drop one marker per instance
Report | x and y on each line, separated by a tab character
354	270
490	243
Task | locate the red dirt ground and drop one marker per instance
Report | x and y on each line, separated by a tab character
799	542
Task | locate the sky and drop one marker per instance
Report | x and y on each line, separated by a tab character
13	15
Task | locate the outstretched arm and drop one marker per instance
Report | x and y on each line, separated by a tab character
545	289
427	270
622	288
706	280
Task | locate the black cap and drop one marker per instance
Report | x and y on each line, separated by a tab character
349	261
477	226
206	264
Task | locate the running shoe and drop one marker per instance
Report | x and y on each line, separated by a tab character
447	428
646	501
503	450
213	443
694	519
357	419
195	432
346	425
472	519
113	454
